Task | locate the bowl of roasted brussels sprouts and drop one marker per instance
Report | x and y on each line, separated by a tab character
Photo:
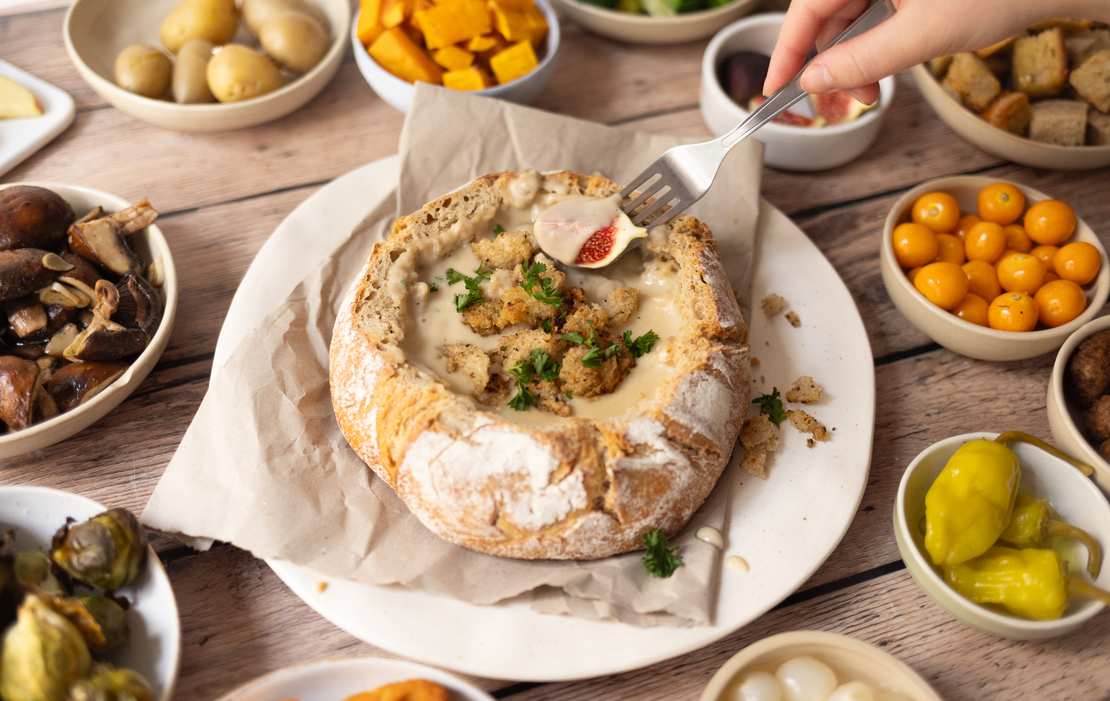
86	609
207	65
88	295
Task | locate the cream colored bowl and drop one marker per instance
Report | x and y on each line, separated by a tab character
150	246
645	29
851	659
954	333
1063	420
1073	496
96	30
1000	142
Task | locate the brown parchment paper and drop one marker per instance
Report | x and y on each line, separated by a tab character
264	466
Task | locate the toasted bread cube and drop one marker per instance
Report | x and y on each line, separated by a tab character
1060	122
395	12
453	21
1092	80
472	78
1098	128
1067	24
453	58
939	66
396	52
1011	111
1040	63
972	80
1081	46
514	62
369	21
997	47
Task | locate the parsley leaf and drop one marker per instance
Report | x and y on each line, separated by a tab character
595	356
473	291
771	405
432	287
523	399
546	292
547	326
641	345
660	559
573	337
545	367
498	229
539	364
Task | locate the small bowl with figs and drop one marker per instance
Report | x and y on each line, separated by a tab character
822	132
88	291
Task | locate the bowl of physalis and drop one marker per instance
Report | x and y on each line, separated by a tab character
504	48
992	269
1006	533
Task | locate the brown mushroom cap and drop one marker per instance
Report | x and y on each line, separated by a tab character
83	270
27	317
17	391
105	340
140	305
33	217
22	272
75	384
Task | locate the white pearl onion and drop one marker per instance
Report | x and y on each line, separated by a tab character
759	686
853	691
806	679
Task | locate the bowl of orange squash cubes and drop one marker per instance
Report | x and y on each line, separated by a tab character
991	269
499	48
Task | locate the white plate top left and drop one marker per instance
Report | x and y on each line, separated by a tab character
19	138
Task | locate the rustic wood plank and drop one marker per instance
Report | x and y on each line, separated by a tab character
893	613
34	43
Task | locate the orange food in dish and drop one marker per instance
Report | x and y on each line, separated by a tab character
1017	239
973	308
1060	301
1077	261
985	241
1020	272
1046	254
1013	311
1050	222
950	249
914	245
983	279
1001	203
943	284
937	210
965	223
411	690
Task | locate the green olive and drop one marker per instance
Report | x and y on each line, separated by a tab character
214	20
257	12
190	73
144	70
294	40
238	73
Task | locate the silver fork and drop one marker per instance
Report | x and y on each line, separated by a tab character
682	175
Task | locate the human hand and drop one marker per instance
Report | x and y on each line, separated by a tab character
918	31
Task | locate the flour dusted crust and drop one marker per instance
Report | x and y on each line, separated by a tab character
579	488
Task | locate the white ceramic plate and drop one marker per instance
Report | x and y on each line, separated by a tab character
334	680
784	527
36	513
19	138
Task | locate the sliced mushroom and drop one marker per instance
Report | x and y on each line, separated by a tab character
136	217
32	217
26	317
53	261
106	299
17	391
58	316
45	406
73	385
95	213
61	339
87	291
28	350
140	306
64	296
105	340
22	272
101	242
83	270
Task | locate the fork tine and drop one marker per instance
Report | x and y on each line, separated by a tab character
641	182
635	204
644	218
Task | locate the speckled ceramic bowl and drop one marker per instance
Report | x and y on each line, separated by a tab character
1063	420
1076	498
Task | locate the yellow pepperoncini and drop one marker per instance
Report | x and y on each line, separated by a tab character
1032	524
969	504
1031	583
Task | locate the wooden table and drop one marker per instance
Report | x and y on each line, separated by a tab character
223	194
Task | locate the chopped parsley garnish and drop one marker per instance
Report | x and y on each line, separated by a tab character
641	345
471	282
545	367
660	559
573	337
547	326
539	364
432	287
596	356
498	229
771	405
541	288
523	399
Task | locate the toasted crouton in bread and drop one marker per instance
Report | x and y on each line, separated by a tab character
506	250
471	361
621	305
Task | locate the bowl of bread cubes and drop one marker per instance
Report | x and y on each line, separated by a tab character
525	407
1041	99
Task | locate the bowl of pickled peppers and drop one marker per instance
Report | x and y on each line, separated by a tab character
1006	532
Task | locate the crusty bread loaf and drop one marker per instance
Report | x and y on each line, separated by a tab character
579	488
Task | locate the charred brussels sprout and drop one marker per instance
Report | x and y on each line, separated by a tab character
101	620
106	552
107	683
34	573
43	655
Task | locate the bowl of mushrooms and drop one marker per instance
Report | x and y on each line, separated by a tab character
89	294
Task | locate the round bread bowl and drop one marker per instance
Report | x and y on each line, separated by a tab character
851	659
398	93
150	245
96	30
954	333
1000	142
646	29
572	489
1063	419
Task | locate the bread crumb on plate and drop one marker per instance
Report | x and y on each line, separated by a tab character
793	318
759	437
773	304
804	390
807	424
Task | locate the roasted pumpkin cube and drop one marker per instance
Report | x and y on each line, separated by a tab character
453	22
484	42
404	58
453	58
395	12
514	62
419	6
518	22
369	21
472	78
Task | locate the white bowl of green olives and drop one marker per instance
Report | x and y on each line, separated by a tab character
207	65
83	596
